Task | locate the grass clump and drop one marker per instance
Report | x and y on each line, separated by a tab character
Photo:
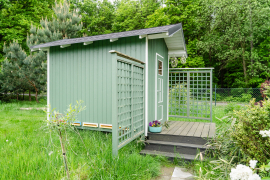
29	152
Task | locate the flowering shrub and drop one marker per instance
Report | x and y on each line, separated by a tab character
265	133
249	122
242	172
155	124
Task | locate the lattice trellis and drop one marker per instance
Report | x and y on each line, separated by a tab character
129	92
190	94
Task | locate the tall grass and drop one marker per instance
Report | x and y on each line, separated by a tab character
29	152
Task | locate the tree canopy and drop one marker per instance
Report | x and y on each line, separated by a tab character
231	36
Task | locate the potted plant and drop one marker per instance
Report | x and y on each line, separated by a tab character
155	126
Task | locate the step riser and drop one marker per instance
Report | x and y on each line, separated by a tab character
178	139
172	159
173	149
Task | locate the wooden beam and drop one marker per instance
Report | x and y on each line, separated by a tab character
113	39
45	49
88	42
142	36
126	56
158	36
177	53
63	46
34	49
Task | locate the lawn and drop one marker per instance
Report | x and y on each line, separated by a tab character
29	152
218	113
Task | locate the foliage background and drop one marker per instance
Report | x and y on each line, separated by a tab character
231	36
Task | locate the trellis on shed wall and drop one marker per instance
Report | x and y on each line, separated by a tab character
128	100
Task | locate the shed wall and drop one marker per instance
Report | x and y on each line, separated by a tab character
157	46
81	72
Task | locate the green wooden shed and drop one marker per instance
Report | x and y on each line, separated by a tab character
121	77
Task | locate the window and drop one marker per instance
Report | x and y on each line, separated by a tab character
160	65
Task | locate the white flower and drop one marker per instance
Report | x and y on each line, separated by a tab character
6	140
241	172
50	153
254	177
252	163
265	133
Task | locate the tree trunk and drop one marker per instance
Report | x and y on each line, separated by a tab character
64	153
251	39
30	99
245	69
36	96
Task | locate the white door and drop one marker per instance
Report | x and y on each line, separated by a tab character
159	87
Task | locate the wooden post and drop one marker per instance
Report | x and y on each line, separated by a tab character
114	106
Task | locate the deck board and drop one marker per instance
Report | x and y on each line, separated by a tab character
193	129
206	129
175	127
187	129
165	130
180	129
199	130
212	130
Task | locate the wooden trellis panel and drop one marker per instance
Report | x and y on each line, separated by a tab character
190	94
128	101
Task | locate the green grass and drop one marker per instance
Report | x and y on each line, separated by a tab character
28	151
218	113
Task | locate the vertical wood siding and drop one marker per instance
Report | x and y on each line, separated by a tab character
81	72
157	46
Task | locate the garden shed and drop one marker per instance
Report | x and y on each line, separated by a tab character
121	77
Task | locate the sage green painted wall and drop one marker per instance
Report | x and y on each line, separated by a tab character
81	72
157	46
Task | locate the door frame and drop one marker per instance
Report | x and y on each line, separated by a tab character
156	76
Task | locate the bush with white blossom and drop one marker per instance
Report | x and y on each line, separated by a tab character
265	133
242	172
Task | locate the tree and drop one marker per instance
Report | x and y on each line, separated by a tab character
20	69
132	14
64	25
97	16
233	31
184	12
22	72
13	77
16	18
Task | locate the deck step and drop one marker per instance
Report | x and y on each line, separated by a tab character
177	138
171	156
181	148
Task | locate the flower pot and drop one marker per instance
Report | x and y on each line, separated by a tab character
155	129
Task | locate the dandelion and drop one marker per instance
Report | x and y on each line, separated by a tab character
252	163
265	133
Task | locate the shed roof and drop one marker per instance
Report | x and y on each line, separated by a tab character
173	35
170	29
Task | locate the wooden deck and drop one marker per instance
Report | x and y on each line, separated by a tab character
194	129
181	138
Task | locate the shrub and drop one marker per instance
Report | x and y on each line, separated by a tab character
217	96
246	97
231	107
249	122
